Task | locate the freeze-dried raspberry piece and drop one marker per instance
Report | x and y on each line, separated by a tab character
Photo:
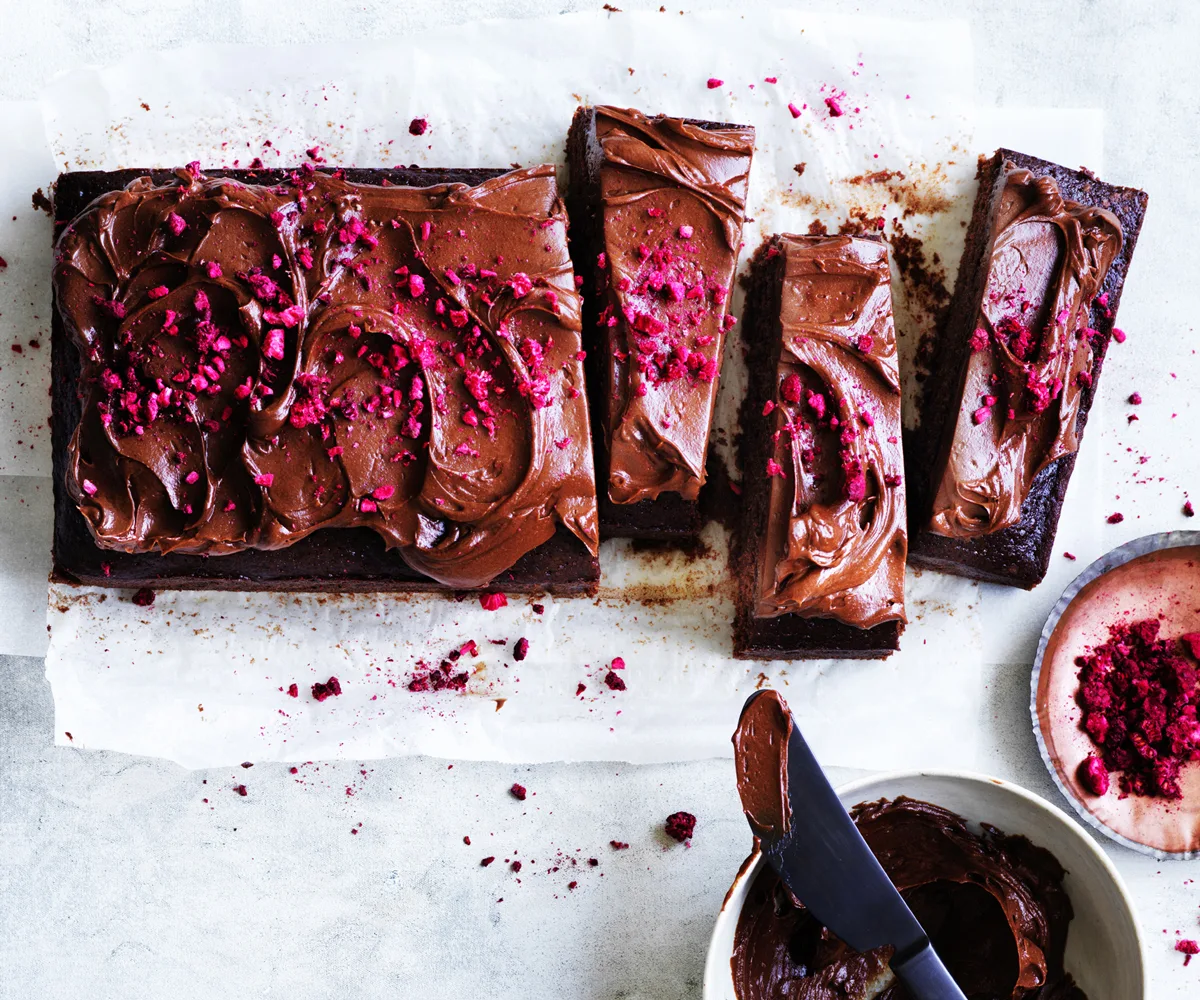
1093	775
680	826
144	597
518	792
329	689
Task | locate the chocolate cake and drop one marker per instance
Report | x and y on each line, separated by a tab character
657	206
819	561
1015	367
310	380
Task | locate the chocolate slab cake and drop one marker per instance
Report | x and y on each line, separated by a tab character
1015	367
657	206
820	558
355	380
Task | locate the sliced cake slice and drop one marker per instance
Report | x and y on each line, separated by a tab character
1016	366
820	559
657	206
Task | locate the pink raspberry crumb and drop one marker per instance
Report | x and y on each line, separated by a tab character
1093	775
518	792
680	826
714	83
492	601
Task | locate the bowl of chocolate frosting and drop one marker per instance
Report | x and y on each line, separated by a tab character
1018	899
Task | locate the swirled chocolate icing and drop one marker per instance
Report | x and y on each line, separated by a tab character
673	197
263	362
1031	354
836	539
760	755
993	906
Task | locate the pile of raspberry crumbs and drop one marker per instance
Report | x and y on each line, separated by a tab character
1139	699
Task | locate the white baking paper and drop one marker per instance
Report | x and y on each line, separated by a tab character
202	678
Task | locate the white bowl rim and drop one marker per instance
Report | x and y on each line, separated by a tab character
750	868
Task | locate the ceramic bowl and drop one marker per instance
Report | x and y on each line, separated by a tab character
1104	945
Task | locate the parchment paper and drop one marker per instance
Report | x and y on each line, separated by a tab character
203	678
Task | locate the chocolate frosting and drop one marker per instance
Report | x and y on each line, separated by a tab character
992	904
760	754
262	362
836	538
674	200
1031	354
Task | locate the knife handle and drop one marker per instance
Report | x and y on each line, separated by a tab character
926	977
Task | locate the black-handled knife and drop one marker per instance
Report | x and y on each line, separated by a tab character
812	843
